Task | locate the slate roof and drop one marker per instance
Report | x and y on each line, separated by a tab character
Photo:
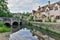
50	6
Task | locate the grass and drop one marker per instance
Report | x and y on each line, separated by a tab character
4	28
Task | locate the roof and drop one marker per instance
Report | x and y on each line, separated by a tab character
50	6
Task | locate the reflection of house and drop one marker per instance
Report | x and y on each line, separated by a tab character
50	10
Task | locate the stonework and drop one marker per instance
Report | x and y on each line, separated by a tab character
50	10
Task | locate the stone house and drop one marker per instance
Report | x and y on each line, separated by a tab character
48	11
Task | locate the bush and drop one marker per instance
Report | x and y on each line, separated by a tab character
1	24
29	24
4	28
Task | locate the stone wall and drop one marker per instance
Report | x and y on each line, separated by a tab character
51	26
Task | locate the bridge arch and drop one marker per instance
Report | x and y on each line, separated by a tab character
15	24
7	24
20	23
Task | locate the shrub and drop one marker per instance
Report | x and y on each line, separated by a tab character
4	28
1	24
29	24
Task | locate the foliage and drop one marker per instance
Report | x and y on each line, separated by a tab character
1	24
26	14
16	16
49	31
22	17
29	24
4	12
31	17
49	20
3	28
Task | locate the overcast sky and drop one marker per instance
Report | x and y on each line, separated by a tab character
26	5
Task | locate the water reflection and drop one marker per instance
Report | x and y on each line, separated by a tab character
23	34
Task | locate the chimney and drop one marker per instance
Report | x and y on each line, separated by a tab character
49	2
39	8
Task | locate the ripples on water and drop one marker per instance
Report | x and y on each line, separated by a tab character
23	34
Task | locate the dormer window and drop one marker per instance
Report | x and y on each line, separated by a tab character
46	10
56	8
51	8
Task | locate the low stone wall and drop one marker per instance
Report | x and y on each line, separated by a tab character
50	26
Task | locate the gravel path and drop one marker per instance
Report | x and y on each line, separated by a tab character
4	36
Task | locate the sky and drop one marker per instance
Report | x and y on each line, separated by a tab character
16	6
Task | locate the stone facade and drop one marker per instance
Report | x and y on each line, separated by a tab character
50	10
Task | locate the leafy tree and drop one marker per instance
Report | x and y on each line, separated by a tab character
17	16
4	12
31	17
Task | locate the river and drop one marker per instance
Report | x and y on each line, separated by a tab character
23	34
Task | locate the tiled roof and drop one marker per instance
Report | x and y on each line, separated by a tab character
50	6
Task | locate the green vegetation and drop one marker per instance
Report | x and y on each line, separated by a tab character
45	29
49	31
31	18
29	24
4	28
25	15
4	11
50	20
16	16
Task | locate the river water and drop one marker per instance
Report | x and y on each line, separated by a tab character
23	34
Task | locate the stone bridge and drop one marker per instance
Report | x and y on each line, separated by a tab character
13	23
10	21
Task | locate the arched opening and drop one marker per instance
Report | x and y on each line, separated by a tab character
8	25
15	24
20	23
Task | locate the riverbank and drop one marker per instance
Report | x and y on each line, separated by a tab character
4	36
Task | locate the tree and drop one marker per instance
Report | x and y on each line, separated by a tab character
4	12
17	17
31	17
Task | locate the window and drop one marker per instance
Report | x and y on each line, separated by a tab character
57	17
43	9
46	10
51	8
59	6
56	8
